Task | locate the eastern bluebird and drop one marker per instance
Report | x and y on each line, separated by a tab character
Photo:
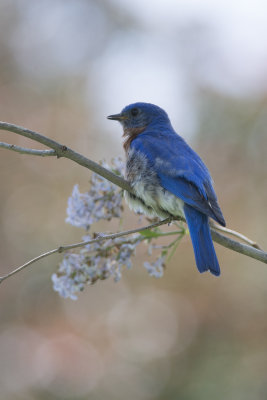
168	178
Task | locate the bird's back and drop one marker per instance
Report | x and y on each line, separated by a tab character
177	167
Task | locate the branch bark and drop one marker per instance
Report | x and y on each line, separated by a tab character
231	244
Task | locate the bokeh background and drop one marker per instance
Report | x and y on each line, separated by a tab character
65	66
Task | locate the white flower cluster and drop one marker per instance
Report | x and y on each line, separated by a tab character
95	261
102	201
70	277
156	268
105	258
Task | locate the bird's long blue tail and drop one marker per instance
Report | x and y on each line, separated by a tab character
199	230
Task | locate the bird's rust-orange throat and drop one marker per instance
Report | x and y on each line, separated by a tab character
130	134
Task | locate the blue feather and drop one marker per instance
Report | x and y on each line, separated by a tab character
180	170
205	255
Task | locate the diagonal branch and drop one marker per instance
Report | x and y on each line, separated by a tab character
231	244
63	151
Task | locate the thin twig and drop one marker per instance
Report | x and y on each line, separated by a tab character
24	150
217	237
100	238
236	234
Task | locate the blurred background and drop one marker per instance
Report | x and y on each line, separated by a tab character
65	66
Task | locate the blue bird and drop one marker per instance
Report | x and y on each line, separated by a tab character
168	178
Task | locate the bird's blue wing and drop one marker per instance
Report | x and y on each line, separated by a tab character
180	170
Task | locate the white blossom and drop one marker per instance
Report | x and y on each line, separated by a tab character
105	258
102	201
156	268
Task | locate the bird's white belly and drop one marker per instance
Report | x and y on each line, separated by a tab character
149	196
160	202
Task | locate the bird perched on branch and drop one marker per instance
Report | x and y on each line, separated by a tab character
168	178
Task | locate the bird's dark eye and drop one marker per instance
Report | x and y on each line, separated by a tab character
134	112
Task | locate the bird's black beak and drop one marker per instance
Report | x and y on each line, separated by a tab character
116	117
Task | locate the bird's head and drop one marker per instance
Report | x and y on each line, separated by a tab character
136	117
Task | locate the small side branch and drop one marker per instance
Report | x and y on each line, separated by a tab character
236	234
24	150
100	238
64	151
